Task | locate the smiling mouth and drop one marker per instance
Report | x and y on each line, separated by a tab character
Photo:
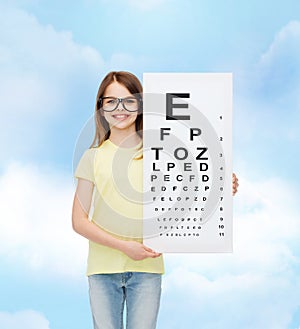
120	116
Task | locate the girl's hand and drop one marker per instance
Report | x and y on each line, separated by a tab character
235	184
137	251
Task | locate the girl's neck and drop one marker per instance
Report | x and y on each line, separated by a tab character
124	139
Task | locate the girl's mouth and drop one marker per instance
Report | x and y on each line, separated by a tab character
120	116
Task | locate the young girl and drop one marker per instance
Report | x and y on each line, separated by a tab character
120	268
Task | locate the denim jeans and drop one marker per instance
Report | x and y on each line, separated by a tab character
108	293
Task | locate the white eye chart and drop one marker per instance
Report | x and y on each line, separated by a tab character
187	143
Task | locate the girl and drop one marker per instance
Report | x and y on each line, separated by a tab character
120	268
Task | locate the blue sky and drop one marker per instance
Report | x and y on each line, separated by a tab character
52	57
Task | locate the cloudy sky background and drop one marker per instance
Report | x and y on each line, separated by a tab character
52	57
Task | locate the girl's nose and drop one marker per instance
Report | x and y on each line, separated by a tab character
120	108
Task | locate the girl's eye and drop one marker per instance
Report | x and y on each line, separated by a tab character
130	101
111	101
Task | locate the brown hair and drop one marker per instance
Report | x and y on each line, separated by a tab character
132	83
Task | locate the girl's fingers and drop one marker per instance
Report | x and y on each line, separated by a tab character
234	178
155	254
235	183
147	248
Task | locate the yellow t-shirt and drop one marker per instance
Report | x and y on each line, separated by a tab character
118	206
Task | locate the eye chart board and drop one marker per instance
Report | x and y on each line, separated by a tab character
187	138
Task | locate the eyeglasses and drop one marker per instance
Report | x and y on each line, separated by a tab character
109	104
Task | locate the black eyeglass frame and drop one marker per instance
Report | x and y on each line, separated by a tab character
120	100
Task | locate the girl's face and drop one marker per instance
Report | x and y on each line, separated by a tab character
119	118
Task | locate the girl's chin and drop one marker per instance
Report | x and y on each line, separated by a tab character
121	124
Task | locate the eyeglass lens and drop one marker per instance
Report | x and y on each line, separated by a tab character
111	103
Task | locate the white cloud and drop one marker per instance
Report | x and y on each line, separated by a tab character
36	230
232	301
285	43
41	71
27	319
279	66
267	102
255	287
45	74
32	48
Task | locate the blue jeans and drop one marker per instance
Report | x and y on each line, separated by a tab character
108	293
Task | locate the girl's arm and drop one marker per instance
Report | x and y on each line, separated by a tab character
83	226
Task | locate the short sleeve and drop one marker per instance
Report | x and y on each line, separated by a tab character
85	167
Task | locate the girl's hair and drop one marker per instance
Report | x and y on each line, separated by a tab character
132	83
